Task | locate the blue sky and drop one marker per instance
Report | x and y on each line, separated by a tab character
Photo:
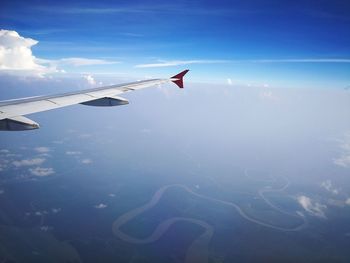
275	43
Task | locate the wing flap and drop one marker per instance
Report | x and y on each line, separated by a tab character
18	123
71	99
107	102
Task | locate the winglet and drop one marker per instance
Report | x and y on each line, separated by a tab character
178	79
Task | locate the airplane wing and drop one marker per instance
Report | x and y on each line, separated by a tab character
12	111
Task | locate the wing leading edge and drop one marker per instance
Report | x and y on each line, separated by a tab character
12	111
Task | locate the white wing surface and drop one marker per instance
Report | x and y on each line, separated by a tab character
12	111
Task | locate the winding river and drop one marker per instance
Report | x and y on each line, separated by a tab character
198	251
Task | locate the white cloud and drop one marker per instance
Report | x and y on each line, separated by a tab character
327	185
16	53
312	207
347	202
178	63
4	151
86	161
28	162
56	210
90	80
344	159
16	56
73	152
111	195
42	149
100	206
345	143
229	81
40	171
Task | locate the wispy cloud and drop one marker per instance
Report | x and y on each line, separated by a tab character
312	207
76	62
328	186
45	228
300	60
159	8
56	210
42	149
100	206
85	135
41	172
102	11
73	152
28	162
86	161
344	159
173	63
3	163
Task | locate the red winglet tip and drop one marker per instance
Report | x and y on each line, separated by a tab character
179	78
